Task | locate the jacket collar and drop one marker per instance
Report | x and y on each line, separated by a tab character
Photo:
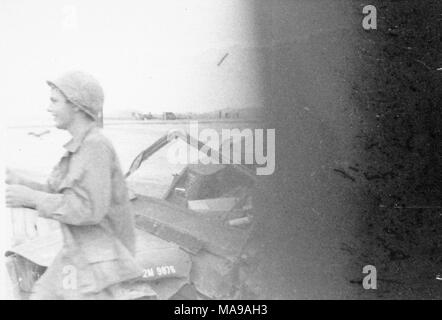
75	143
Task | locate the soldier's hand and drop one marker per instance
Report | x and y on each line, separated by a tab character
18	196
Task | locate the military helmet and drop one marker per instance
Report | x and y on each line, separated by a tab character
83	90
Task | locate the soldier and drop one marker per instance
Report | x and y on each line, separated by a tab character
86	192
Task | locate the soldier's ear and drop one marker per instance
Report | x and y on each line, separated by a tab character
74	107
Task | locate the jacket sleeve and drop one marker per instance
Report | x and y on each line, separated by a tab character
35	185
84	196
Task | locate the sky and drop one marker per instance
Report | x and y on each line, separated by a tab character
150	56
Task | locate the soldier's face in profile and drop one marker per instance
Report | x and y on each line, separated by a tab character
62	111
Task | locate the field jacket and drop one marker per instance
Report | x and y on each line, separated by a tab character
89	197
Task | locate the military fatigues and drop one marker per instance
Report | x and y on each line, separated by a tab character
88	195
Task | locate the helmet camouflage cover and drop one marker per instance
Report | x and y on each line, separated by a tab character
83	90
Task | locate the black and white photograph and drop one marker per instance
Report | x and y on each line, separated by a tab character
227	150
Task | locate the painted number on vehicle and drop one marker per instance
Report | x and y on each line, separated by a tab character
159	271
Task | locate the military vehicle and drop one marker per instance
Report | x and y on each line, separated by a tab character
191	242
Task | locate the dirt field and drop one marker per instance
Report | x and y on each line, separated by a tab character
38	155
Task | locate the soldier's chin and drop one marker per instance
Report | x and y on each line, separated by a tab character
58	124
